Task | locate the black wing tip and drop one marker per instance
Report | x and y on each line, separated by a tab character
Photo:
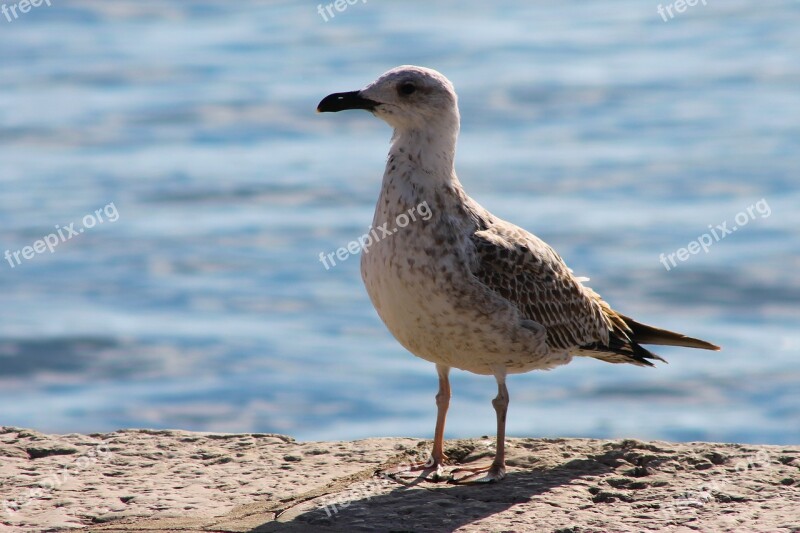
646	355
623	351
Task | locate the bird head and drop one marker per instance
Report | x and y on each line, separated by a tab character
408	98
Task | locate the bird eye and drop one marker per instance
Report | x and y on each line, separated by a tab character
407	88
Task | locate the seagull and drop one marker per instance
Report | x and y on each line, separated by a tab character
463	288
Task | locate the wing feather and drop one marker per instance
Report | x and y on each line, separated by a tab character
527	272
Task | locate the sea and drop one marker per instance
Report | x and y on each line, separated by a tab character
167	188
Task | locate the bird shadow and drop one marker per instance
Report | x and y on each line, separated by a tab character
424	506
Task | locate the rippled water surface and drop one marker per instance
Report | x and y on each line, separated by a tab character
611	134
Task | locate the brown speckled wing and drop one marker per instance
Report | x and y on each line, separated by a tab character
527	272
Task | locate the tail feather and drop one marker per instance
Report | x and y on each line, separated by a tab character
626	337
645	334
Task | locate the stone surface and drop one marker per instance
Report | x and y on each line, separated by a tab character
144	480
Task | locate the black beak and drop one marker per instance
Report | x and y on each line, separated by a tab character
342	101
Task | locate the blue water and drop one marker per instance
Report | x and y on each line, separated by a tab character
611	134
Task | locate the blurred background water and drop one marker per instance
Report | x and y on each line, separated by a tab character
610	133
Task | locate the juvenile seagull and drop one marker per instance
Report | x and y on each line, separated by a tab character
464	288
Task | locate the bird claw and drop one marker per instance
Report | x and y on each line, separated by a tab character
430	470
485	474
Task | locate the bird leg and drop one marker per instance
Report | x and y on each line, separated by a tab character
432	468
497	470
442	404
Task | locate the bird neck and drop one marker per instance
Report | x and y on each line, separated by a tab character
419	170
424	156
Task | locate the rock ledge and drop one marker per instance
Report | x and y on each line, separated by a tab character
149	480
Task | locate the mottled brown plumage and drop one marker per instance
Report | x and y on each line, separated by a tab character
526	271
463	288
